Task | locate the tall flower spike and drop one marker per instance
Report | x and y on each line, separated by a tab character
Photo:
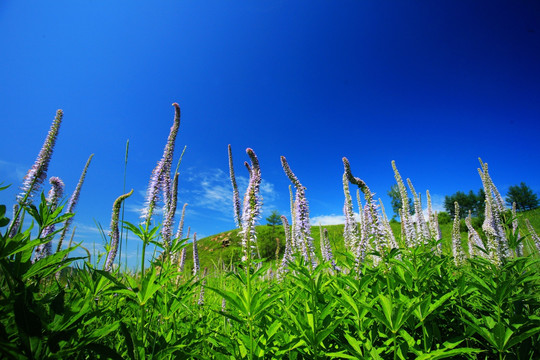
115	234
252	208
533	234
160	178
409	234
15	222
73	202
38	172
180	232
302	227
287	255
170	211
55	193
492	226
196	266
200	301
350	229
515	230
459	256
422	231
473	238
326	250
236	196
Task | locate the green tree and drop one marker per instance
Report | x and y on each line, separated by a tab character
523	196
395	200
467	202
273	220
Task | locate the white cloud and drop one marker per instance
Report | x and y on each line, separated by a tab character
12	172
331	219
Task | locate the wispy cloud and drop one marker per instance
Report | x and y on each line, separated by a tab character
330	219
12	172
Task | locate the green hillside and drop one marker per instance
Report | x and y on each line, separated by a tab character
226	247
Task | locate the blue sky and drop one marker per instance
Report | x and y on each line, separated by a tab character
432	85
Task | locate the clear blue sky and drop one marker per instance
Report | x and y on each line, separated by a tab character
432	85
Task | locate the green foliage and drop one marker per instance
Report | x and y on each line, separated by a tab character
467	202
444	218
523	196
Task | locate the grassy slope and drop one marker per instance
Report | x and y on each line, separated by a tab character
213	253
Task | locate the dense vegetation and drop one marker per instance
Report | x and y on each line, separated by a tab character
368	289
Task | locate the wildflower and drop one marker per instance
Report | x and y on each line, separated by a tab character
180	231
422	231
170	211
196	266
473	238
15	223
114	230
492	226
236	196
434	228
38	172
182	260
73	202
55	193
390	238
515	230
533	234
287	255
350	229
252	208
302	228
409	234
326	250
200	302
160	178
459	256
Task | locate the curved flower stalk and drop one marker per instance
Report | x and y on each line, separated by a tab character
160	178
422	231
498	201
38	172
492	226
372	228
474	240
236	196
533	235
409	233
251	208
459	255
55	193
350	229
287	255
196	266
73	202
302	228
115	233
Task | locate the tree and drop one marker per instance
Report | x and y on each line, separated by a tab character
467	202
274	219
523	196
395	200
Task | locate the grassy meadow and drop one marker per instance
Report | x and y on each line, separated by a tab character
368	289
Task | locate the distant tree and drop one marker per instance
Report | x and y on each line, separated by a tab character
444	218
467	202
395	200
274	219
523	196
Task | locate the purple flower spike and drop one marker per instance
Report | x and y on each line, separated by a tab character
160	178
73	202
196	266
55	193
302	228
115	234
252	208
38	172
236	196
